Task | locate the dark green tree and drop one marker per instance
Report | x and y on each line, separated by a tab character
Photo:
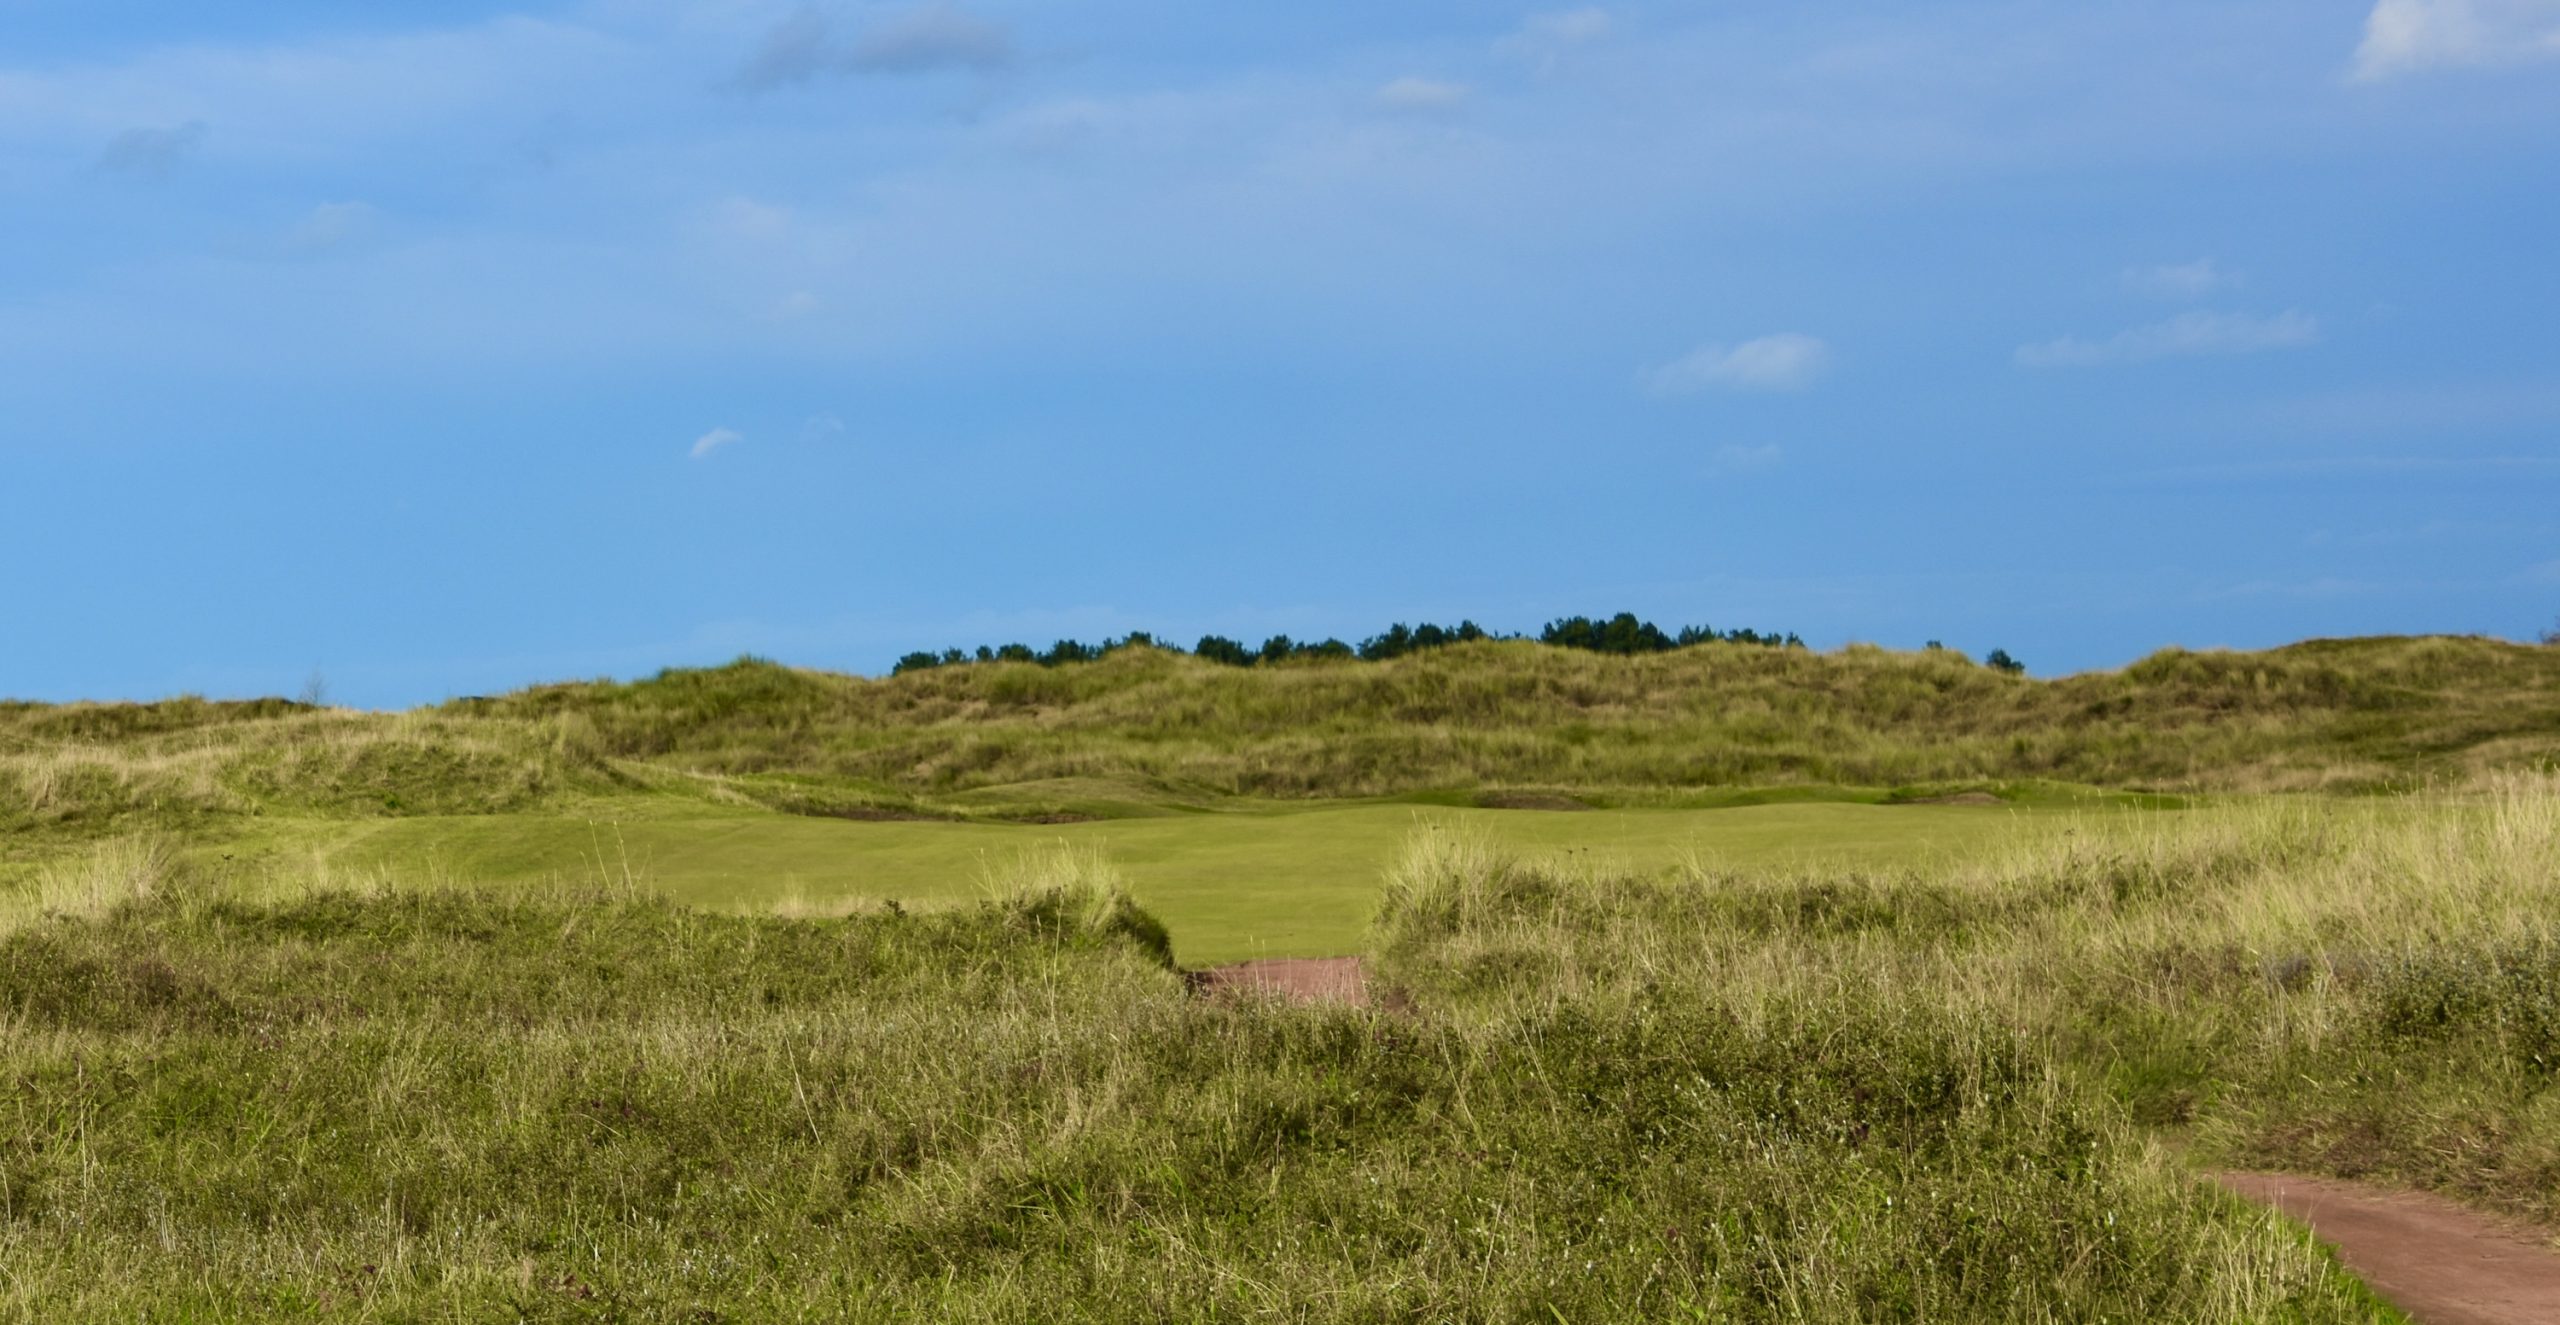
1220	649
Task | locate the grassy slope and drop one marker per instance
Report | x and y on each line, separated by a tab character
423	1105
731	786
1145	731
2319	714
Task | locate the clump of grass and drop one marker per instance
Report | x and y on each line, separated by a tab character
1072	890
95	881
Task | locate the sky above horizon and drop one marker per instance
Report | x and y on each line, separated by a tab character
443	349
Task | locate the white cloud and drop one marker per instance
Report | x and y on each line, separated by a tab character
329	225
153	151
1421	94
2181	280
714	440
1788	361
2184	336
2412	36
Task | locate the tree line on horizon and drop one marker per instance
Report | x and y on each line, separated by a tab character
1623	633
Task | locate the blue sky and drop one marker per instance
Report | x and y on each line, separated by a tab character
446	348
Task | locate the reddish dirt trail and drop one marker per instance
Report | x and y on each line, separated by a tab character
1299	979
2441	1263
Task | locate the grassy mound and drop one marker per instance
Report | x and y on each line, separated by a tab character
1144	730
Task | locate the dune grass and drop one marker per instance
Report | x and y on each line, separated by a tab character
1147	732
2293	984
741	784
434	1104
327	1015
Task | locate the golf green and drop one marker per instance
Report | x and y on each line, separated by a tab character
1285	881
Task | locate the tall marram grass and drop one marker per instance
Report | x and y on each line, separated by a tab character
442	1104
93	882
1147	726
2365	989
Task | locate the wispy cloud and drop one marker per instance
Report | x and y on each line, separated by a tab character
1568	27
1421	94
794	50
749	219
1545	39
934	36
327	226
2187	335
2435	410
931	37
1787	361
2351	467
2412	36
821	428
2180	280
154	152
715	440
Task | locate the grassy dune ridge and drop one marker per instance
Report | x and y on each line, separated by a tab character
444	1104
1143	730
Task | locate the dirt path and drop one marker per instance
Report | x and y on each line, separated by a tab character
2441	1263
1302	979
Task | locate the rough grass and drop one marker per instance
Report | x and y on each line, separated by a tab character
446	1105
2371	992
1965	1091
1149	729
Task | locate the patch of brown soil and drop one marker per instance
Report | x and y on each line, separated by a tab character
1527	800
867	814
2437	1261
1297	979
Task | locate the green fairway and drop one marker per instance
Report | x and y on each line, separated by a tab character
1231	885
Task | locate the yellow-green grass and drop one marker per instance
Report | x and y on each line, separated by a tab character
1298	881
1144	731
1827	1094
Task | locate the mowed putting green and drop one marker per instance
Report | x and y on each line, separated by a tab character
1231	885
